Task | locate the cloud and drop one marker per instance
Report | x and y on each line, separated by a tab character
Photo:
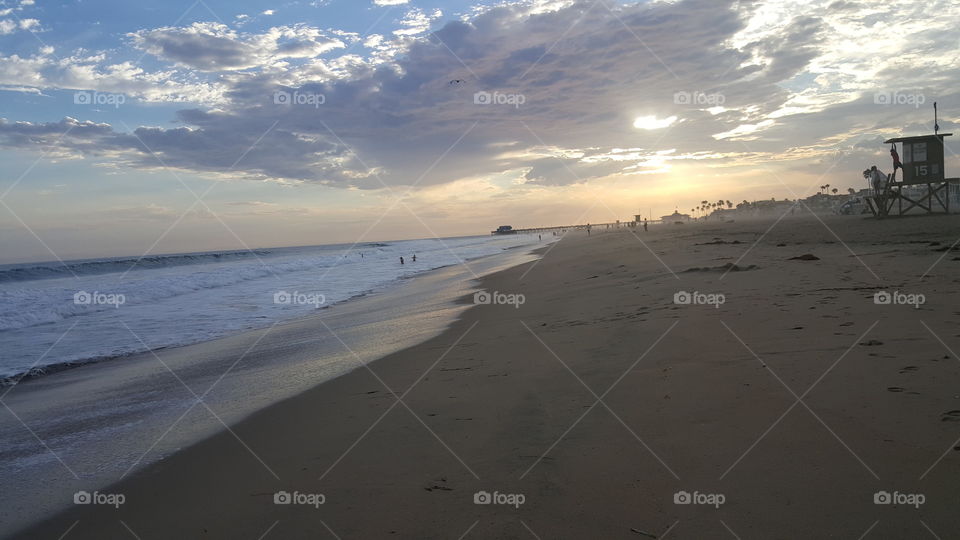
416	21
390	2
740	131
216	47
549	91
83	72
8	26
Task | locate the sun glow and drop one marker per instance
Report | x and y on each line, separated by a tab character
652	122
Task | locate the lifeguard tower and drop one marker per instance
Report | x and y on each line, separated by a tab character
924	184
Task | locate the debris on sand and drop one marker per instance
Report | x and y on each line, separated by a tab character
871	343
805	257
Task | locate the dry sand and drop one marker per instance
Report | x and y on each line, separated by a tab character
600	398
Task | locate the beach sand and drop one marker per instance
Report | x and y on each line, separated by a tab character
600	398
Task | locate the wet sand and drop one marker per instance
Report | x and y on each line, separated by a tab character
601	402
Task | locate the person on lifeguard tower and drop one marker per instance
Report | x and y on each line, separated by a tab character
896	159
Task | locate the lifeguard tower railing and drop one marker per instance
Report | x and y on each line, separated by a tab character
923	185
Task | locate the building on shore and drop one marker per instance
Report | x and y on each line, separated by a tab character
675	217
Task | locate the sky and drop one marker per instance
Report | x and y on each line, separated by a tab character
139	127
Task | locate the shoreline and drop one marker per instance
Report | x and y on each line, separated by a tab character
37	373
42	371
224	295
602	398
63	406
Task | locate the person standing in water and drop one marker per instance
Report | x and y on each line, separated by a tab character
401	260
414	257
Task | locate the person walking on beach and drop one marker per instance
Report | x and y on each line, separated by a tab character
401	260
644	224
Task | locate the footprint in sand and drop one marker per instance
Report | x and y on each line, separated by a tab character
437	486
908	369
894	389
951	416
728	267
717	241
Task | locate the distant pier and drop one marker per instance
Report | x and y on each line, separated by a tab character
584	226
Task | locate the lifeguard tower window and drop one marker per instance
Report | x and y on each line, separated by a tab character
922	158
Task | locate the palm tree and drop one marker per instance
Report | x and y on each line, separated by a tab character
835	190
729	205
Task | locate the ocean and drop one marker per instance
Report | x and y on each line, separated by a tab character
54	315
256	328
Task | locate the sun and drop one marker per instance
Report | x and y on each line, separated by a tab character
652	122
